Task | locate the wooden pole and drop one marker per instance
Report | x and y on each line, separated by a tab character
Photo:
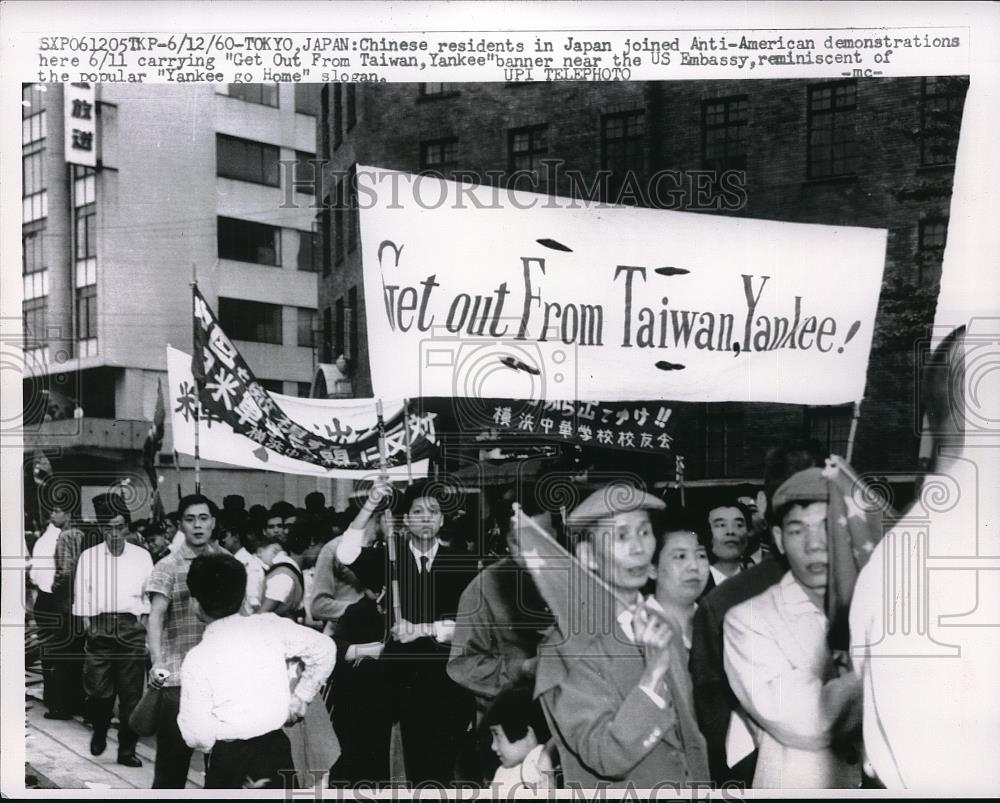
854	431
387	525
197	407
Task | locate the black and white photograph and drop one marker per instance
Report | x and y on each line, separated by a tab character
618	417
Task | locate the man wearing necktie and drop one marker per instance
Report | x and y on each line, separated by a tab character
609	682
433	711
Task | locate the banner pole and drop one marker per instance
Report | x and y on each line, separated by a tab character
387	526
406	441
197	407
854	431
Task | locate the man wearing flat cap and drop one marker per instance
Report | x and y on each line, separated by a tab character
777	659
613	689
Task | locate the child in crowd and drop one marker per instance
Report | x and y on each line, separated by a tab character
235	695
520	733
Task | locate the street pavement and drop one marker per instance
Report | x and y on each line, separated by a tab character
58	752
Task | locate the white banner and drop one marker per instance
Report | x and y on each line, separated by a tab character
477	291
332	417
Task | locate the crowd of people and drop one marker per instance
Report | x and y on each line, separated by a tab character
287	643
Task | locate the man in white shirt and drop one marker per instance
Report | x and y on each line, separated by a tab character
235	694
108	594
778	662
50	617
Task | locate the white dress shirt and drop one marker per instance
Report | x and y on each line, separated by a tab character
255	579
430	554
105	583
522	780
43	559
279	585
235	683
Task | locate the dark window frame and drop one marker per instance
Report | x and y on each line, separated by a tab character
85	232
226	156
438	91
260	90
535	152
305	322
734	124
33	235
924	233
228	236
237	316
86	312
953	101
835	119
445	164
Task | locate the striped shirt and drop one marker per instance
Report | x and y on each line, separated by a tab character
182	629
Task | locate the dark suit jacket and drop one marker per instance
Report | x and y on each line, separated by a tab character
607	729
714	700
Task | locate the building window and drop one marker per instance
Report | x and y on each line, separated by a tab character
338	342
351	352
831	426
724	133
306	99
84	185
303	390
254	321
33	99
723	443
832	137
86	312
445	90
305	170
306	322
307	252
245	160
246	241
34	314
327	345
86	231
622	147
33	248
942	99
352	110
338	115
526	147
32	173
933	234
264	94
438	155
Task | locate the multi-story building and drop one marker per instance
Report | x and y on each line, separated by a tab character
188	179
870	152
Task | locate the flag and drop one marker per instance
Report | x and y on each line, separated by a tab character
151	447
579	600
854	527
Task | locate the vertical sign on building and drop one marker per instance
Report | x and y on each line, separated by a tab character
81	124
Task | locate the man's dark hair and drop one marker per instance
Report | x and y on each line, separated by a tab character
728	502
425	489
234	502
196	499
281	509
315	502
300	537
219	582
515	710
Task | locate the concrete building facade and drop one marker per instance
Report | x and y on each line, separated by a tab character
188	180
